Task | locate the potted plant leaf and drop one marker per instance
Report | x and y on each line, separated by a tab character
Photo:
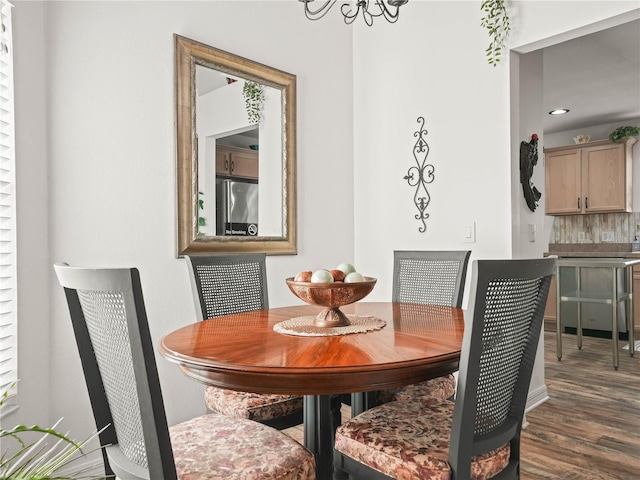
496	21
35	458
622	132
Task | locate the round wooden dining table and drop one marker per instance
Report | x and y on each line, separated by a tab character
243	352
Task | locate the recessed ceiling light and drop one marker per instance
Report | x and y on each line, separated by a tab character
559	111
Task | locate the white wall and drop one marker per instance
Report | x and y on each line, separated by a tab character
437	69
32	190
95	145
96	167
597	132
529	237
434	66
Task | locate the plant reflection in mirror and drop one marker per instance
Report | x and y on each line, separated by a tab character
254	97
201	221
35	459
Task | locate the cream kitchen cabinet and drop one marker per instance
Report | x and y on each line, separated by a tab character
594	177
236	162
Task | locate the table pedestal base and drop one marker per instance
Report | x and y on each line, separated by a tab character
319	437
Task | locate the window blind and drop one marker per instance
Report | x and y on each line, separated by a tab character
8	300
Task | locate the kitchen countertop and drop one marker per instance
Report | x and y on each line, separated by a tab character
605	250
598	262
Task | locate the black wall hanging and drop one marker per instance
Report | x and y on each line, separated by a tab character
420	175
528	160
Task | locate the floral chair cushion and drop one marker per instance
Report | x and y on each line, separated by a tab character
215	447
440	388
410	441
254	406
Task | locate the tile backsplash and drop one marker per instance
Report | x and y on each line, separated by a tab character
596	228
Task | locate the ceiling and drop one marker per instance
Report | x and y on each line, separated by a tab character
597	77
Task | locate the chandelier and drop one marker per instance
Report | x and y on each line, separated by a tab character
350	11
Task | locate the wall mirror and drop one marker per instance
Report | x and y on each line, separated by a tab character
236	153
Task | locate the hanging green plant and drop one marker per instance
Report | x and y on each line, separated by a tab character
254	97
496	21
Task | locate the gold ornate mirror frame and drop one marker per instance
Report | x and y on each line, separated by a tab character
188	54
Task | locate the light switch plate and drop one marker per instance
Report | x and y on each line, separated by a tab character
469	235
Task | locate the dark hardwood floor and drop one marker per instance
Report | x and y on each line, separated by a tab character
589	429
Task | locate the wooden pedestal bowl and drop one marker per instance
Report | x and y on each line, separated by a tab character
331	296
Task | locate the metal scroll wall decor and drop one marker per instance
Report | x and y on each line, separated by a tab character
528	160
420	175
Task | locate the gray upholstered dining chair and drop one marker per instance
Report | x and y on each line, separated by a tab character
224	284
117	355
477	435
428	277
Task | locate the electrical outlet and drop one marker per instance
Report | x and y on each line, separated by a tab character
581	237
608	236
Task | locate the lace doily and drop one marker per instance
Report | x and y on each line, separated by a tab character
303	326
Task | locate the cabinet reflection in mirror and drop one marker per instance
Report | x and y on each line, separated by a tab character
236	153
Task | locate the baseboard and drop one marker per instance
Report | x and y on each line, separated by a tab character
536	398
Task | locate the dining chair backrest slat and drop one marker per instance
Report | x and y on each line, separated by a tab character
430	277
498	353
224	284
117	354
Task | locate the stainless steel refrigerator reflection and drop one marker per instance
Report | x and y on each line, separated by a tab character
236	207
